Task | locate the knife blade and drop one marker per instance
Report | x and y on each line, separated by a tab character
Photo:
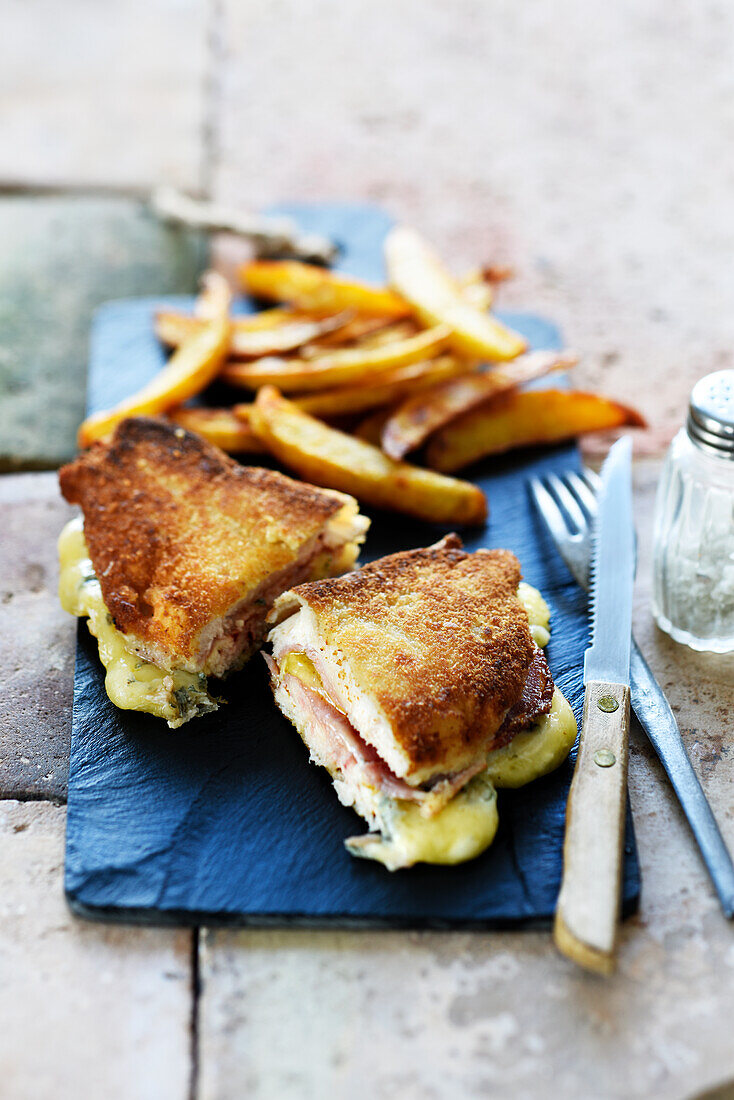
587	914
612	572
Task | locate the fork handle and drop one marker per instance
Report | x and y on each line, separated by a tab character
587	915
654	714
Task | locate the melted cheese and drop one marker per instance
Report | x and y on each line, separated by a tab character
302	667
543	747
460	831
131	683
535	751
537	611
468	823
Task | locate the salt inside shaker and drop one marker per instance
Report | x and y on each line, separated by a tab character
693	565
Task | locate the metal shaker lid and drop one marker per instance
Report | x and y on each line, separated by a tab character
711	413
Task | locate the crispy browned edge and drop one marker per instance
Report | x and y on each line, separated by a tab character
445	706
140	533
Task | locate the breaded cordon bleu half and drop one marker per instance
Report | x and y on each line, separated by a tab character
180	555
420	683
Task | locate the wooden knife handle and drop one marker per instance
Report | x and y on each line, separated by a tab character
587	914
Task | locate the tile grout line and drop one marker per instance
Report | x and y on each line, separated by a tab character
36	189
32	796
193	1091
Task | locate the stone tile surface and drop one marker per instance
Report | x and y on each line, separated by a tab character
62	257
37	641
111	94
583	143
502	1015
447	1015
87	1010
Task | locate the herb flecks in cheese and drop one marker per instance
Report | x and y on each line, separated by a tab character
131	683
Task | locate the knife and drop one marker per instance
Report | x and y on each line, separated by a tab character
587	914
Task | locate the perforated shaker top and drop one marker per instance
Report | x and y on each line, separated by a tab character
711	413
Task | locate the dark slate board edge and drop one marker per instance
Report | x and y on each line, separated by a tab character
167	918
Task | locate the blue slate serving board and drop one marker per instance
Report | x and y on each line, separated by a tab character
225	821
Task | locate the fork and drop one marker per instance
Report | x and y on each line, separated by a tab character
568	506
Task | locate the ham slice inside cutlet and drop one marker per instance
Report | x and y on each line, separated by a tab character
536	700
335	744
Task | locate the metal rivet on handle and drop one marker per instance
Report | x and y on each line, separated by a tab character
604	758
607	703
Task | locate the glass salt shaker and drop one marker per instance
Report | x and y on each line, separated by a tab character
693	565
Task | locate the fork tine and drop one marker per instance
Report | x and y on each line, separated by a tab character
591	478
583	493
568	501
549	510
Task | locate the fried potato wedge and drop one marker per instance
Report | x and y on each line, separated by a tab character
524	419
318	290
476	290
221	427
359	331
215	297
421	414
254	343
337	368
386	388
497	273
325	456
378	338
370	429
286	337
418	276
191	367
478	295
173	328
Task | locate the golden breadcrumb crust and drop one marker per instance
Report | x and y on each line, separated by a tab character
178	532
438	638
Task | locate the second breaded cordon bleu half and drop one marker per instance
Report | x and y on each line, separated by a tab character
420	683
180	555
